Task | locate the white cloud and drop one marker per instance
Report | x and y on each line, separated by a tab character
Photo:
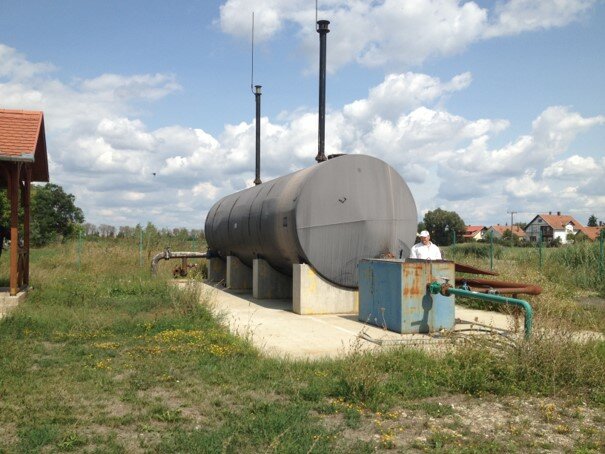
205	189
552	133
141	86
400	93
15	65
574	167
517	16
398	34
526	187
123	172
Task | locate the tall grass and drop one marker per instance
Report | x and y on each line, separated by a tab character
577	265
474	250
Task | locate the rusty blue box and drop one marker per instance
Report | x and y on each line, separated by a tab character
393	294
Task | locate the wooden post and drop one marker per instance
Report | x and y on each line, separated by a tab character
25	200
13	195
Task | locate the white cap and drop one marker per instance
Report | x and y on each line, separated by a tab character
424	233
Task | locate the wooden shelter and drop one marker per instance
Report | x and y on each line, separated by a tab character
22	160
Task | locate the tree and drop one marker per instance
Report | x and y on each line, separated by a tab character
592	221
5	208
90	229
53	214
441	223
521	225
580	237
507	235
106	231
125	231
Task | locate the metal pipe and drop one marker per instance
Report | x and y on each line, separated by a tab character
503	290
497	285
257	94
462	268
447	290
167	254
322	29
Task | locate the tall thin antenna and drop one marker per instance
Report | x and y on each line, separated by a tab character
252	69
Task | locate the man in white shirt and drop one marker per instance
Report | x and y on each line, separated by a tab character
425	249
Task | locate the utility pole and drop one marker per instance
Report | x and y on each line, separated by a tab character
512	238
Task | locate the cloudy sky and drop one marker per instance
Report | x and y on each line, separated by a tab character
483	107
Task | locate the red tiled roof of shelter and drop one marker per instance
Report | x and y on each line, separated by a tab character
19	132
22	138
559	221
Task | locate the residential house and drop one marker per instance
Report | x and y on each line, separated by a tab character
498	231
474	232
552	227
592	232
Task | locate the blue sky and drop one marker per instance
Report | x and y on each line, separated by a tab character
483	107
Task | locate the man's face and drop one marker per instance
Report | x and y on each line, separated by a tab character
425	239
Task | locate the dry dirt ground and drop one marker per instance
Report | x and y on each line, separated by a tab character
469	424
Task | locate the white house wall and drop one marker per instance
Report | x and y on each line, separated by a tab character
562	234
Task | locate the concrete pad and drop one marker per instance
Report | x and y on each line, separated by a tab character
277	331
239	276
475	317
312	294
268	283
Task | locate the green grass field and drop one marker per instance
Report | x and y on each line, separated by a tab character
103	358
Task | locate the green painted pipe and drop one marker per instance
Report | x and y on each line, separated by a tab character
601	255
435	287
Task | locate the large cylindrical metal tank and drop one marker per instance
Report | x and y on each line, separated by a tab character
329	216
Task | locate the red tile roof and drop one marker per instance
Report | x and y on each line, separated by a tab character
472	229
592	232
558	221
22	138
503	228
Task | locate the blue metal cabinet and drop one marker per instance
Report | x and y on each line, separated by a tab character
393	295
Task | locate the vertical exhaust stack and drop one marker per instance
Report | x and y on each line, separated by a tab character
322	29
257	94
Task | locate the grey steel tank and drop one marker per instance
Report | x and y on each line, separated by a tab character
329	216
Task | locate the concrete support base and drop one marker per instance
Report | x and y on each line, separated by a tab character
216	269
8	302
267	283
312	294
239	276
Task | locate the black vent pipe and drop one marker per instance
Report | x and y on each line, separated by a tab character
322	29
257	93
